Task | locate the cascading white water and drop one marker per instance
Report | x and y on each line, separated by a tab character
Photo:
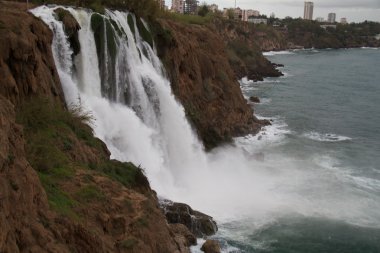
139	119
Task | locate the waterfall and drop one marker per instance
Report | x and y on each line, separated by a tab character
118	77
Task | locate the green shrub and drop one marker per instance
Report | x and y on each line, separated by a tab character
89	193
59	201
128	244
126	173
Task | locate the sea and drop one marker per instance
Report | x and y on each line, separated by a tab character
321	155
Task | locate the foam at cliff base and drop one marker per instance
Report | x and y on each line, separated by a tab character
273	134
273	53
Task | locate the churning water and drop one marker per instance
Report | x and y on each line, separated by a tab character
308	183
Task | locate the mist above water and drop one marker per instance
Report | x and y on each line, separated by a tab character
254	179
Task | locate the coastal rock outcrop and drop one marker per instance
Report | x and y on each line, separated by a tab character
198	223
211	246
254	99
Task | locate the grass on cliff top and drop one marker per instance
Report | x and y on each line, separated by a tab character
189	19
51	133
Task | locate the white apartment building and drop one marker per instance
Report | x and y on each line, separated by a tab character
331	17
178	6
249	13
308	11
257	20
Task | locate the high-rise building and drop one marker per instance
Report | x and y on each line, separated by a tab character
331	18
178	6
308	11
343	21
191	7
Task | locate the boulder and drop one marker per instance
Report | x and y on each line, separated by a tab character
254	99
211	246
198	223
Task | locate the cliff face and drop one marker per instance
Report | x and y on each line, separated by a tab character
203	80
26	62
244	49
59	190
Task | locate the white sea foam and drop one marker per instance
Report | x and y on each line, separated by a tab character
273	134
286	75
273	53
325	137
265	101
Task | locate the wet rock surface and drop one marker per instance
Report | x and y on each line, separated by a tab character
198	223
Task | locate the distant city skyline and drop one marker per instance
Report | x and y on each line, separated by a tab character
353	10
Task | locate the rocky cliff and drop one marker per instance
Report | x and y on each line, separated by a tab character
59	190
298	34
204	79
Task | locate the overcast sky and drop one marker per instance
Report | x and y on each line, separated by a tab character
353	10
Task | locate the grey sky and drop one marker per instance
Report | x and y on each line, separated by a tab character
353	10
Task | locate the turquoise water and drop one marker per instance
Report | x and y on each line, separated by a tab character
326	132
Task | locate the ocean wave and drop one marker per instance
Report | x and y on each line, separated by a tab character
265	101
272	53
347	174
372	48
315	136
273	134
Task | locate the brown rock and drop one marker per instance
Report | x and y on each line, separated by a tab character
71	28
211	246
254	99
183	236
198	223
26	61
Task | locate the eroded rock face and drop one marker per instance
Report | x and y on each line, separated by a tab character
26	61
198	223
203	80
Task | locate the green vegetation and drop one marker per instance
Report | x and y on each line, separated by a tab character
142	222
128	244
310	34
148	9
190	19
126	173
203	10
59	201
89	193
53	136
